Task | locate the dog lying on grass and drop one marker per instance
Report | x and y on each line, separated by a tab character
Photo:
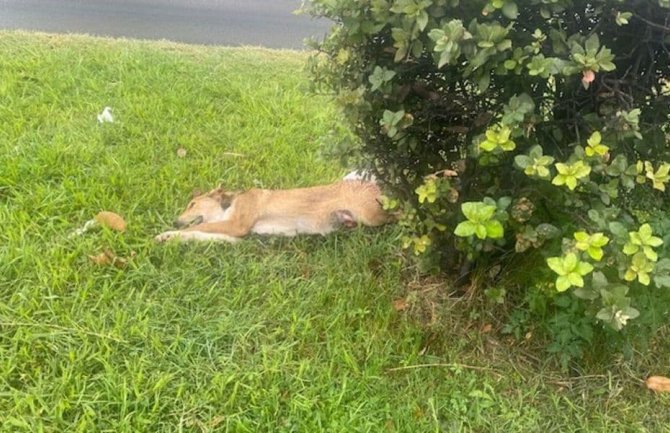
225	216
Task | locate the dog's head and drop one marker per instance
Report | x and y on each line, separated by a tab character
206	208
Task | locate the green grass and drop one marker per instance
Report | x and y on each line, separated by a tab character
269	335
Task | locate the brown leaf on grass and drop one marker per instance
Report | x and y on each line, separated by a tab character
112	220
658	383
400	304
486	328
120	262
101	259
181	152
108	258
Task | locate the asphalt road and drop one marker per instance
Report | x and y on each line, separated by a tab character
268	23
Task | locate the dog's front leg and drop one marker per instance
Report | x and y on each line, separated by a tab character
185	236
221	231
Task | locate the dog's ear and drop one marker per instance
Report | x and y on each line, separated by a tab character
224	198
216	193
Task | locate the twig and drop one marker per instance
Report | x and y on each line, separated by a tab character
576	378
241	155
652	24
443	365
63	328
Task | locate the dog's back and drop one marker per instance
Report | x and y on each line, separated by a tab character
317	209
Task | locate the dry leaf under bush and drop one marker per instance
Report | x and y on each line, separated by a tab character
111	220
658	383
486	328
400	304
181	152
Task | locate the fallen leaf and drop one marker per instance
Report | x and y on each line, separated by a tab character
486	328
111	220
101	259
107	257
181	152
120	262
400	304
658	383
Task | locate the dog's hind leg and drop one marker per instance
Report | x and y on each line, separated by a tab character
344	218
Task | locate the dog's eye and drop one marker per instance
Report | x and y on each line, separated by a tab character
191	204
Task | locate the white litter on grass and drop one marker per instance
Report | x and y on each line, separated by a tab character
81	230
360	175
106	116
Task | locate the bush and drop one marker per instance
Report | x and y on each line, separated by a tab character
505	129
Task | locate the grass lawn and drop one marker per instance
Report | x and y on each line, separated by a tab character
269	335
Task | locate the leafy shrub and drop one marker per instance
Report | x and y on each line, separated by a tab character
517	127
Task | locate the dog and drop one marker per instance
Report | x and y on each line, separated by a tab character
225	216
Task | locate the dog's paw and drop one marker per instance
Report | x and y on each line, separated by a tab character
166	236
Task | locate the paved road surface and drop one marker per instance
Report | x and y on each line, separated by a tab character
269	23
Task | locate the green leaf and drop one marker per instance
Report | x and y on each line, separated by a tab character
427	192
465	229
379	77
583	268
469	209
568	174
494	229
510	10
485	212
643	278
585	293
483	81
662	281
622	18
650	253
422	20
480	231
582	237
592	44
547	231
630	249
570	270
563	283
595	253
575	279
522	161
556	265
478	211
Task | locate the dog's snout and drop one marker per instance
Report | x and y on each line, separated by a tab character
180	224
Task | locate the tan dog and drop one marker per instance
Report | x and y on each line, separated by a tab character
220	215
